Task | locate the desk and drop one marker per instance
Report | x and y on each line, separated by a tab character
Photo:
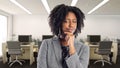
96	56
28	52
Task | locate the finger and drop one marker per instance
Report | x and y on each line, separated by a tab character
67	38
68	33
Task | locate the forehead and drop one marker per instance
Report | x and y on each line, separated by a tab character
71	15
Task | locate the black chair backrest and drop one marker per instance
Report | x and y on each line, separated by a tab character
105	45
13	45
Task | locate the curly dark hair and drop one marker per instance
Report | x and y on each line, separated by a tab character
58	14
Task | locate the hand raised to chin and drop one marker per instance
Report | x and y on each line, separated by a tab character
69	41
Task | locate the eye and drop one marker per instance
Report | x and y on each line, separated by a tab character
66	21
74	21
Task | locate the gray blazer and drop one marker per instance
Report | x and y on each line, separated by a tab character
49	55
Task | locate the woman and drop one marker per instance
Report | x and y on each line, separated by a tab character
63	50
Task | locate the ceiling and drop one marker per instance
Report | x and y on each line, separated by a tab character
36	7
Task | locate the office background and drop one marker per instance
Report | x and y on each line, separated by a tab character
104	21
104	25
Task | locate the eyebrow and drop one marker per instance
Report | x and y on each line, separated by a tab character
70	19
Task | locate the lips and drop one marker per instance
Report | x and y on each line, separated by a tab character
70	30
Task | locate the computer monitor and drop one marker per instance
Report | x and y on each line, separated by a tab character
46	36
94	39
25	38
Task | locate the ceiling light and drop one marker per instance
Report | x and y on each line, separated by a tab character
98	6
74	2
46	5
19	5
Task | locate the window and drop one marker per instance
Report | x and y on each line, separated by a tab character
3	31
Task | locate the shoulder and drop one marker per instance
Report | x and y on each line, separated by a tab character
81	45
79	42
51	39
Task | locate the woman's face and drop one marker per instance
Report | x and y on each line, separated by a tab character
70	23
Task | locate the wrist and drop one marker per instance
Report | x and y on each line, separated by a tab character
72	51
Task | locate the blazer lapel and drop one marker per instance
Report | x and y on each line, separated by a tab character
77	46
57	49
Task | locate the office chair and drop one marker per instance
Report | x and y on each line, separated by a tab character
14	48
118	41
104	50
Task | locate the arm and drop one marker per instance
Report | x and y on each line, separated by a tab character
76	60
79	60
41	59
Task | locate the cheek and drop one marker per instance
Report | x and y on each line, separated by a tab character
75	25
64	26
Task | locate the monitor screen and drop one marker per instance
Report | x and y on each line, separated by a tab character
94	38
25	38
46	36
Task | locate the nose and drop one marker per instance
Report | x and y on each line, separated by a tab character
70	24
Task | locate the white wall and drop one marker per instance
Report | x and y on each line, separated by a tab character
104	25
37	25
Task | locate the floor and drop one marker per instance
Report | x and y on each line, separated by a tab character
34	65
